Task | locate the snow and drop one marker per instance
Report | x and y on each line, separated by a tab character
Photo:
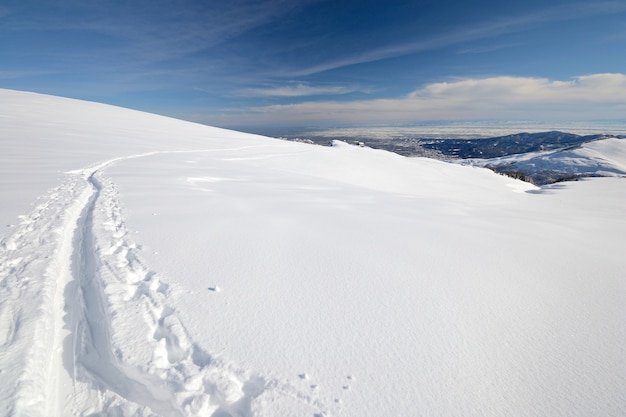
174	269
604	157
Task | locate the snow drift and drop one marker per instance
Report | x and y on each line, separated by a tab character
173	269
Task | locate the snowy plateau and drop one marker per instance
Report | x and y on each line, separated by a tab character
155	267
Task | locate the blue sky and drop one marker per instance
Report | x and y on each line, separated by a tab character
284	63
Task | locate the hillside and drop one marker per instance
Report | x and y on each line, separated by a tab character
604	157
501	146
164	268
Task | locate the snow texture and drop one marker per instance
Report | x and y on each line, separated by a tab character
174	269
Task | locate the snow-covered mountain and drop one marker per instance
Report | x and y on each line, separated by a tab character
540	157
173	269
605	157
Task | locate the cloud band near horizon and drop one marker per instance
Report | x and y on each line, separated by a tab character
587	97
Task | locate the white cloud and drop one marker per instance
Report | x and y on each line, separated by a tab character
297	90
596	96
504	91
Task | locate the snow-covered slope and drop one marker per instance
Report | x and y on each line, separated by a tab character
174	269
44	136
605	157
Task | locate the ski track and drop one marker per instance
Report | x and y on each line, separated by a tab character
86	328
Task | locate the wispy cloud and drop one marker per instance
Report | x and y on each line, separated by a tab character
483	30
107	47
489	48
499	98
619	35
7	75
158	30
298	90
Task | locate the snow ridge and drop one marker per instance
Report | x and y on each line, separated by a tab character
88	294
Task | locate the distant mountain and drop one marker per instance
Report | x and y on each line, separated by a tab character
599	158
539	158
506	145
